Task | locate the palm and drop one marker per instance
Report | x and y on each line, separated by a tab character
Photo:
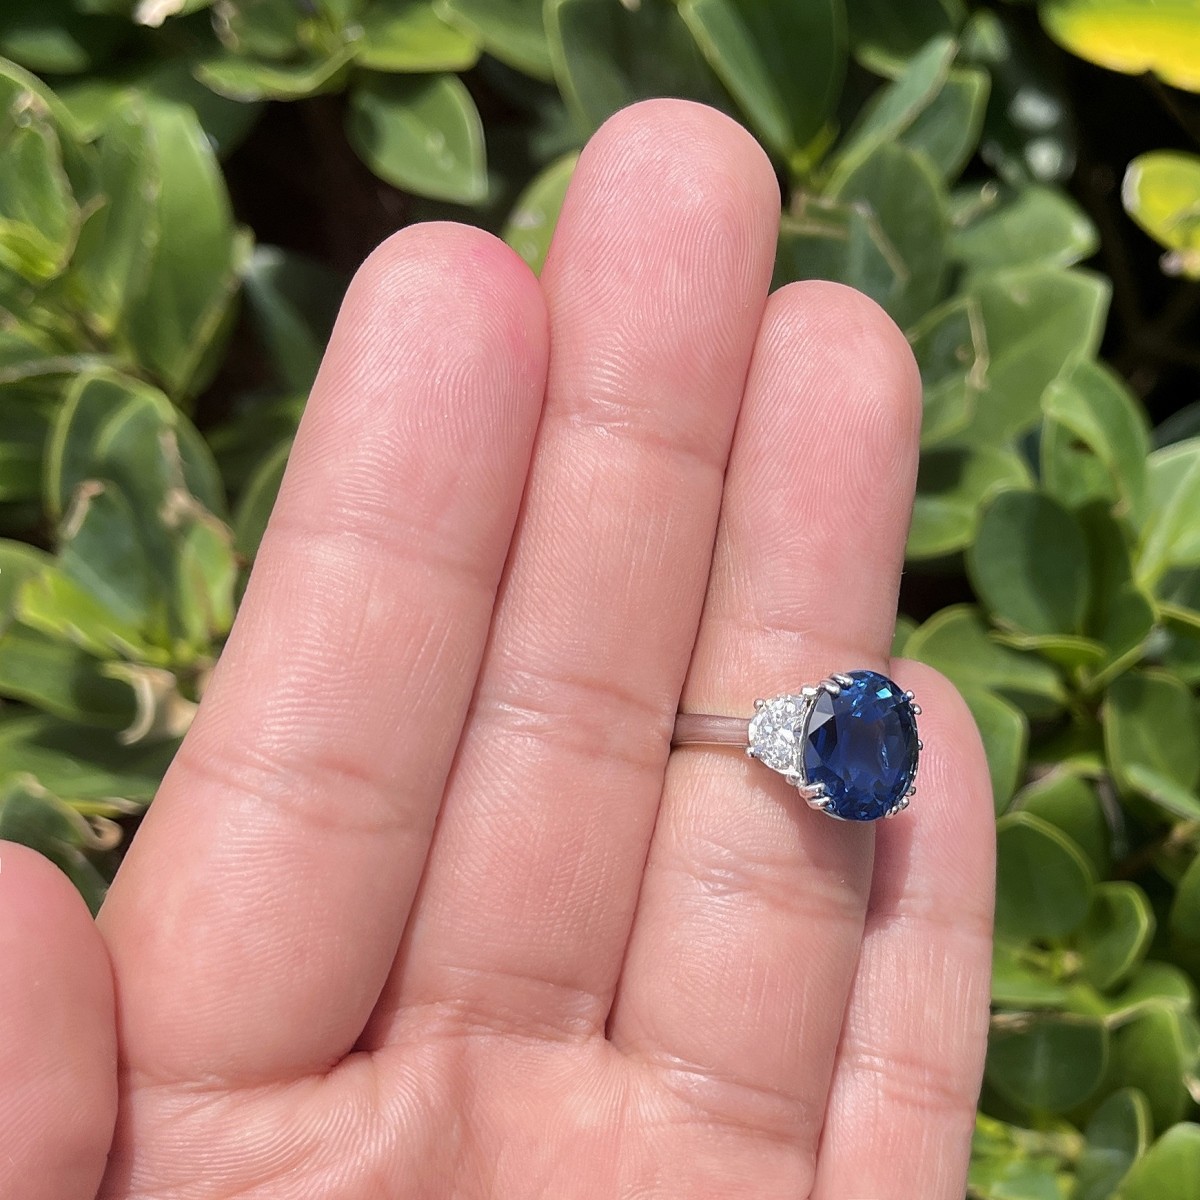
426	907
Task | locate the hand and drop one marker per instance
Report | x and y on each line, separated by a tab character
426	906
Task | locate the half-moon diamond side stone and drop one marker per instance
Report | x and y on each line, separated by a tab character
776	733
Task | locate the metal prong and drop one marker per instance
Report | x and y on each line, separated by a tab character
916	709
809	692
758	704
920	744
910	695
912	791
820	804
844	680
750	752
831	686
794	778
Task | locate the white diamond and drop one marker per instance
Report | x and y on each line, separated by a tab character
776	733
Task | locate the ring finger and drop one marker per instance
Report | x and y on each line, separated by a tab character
752	908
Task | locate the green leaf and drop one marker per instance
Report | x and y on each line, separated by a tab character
1094	408
1156	1052
831	240
1155	987
1039	324
1005	732
1168	1170
15	80
884	33
158	83
956	641
293	301
1019	980
18	562
947	132
1036	1177
101	548
895	107
1131	36
954	483
62	680
1176	801
1036	226
1071	804
1122	618
510	30
1124	626
248	79
178	313
1184	920
90	769
257	424
53	38
1150	724
55	604
258	499
1171	534
1048	1064
951	352
1117	1134
1044	883
39	219
783	63
263	28
412	36
1066	650
112	427
205	572
28	355
117	244
422	134
608	55
531	223
1029	564
904	204
33	817
1115	936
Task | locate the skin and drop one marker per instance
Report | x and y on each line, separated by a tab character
426	906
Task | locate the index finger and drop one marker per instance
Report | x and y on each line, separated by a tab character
254	920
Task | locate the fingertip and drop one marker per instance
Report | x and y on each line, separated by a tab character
852	338
659	127
57	1034
696	182
458	273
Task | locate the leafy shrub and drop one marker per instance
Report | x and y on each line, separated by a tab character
924	151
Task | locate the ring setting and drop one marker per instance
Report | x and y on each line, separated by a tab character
848	744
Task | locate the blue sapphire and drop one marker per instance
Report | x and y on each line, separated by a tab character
862	745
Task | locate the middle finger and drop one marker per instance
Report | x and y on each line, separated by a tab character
655	284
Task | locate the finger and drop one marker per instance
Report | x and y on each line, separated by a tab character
748	926
655	282
58	1052
902	1106
255	919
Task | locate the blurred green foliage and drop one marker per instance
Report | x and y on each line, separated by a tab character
924	155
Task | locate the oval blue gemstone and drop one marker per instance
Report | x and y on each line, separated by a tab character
862	745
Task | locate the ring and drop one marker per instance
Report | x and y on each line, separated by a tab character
849	744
